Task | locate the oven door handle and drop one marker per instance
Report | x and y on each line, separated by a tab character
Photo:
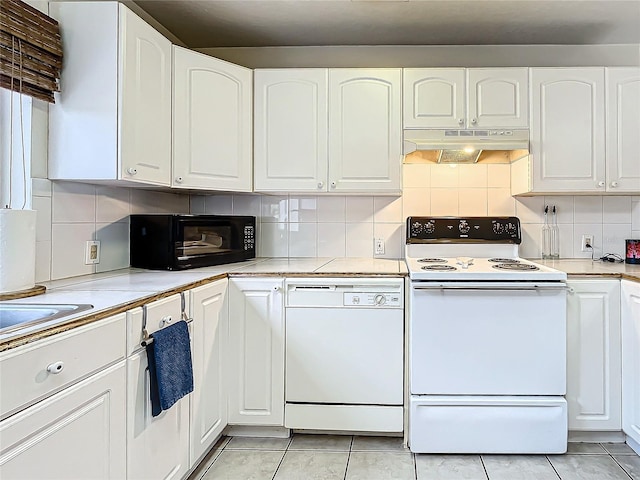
492	287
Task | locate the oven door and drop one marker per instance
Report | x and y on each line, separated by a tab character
487	338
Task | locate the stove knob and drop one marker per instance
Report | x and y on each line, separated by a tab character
416	228
511	228
429	227
498	228
464	226
379	299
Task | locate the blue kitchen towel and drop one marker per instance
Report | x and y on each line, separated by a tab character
170	368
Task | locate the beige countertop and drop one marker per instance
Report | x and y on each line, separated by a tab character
120	290
575	267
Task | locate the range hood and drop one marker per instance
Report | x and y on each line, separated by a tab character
465	146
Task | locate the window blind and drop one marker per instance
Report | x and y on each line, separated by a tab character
30	50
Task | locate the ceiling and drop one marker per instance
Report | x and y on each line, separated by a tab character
258	23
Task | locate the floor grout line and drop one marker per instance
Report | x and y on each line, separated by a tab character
553	466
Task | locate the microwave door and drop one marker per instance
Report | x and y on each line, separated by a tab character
204	240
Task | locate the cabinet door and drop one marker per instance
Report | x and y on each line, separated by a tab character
209	310
290	134
145	101
631	359
434	97
157	447
623	126
497	97
77	433
593	355
365	130
212	112
567	129
256	345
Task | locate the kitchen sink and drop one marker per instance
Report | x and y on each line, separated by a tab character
14	316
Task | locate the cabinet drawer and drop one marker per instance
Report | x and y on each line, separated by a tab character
160	314
81	351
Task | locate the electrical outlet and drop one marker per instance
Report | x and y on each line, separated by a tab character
379	246
587	243
92	252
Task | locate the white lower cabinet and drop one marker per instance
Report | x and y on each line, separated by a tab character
256	346
594	355
631	362
157	447
208	412
63	404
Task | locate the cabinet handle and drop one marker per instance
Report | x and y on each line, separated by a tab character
333	184
179	179
55	368
132	171
614	184
320	184
474	120
165	321
460	121
601	184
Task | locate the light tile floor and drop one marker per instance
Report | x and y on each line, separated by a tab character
332	457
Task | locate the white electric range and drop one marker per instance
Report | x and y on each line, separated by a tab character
487	340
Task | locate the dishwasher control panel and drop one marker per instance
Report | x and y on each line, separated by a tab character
368	299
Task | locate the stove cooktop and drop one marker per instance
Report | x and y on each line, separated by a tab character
481	269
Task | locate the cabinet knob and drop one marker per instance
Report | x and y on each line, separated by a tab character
333	184
55	368
165	321
601	184
474	120
460	121
276	288
320	184
179	179
614	184
132	171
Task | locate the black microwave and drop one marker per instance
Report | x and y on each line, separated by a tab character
178	242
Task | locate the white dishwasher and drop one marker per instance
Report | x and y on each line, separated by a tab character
344	358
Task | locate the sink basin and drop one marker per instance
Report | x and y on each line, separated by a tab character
14	316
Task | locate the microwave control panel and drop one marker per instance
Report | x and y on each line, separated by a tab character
249	238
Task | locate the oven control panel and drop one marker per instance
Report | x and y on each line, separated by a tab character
463	229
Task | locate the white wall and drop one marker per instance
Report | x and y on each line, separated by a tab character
318	226
431	56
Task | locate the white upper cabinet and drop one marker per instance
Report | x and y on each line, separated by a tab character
365	130
567	131
465	98
290	134
623	129
112	120
336	130
212	116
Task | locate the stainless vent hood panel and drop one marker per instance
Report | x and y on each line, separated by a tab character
490	139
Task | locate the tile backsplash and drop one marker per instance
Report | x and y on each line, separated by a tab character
70	213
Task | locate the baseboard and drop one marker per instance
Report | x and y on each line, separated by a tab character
596	437
633	444
256	431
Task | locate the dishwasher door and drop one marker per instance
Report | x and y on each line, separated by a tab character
344	344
